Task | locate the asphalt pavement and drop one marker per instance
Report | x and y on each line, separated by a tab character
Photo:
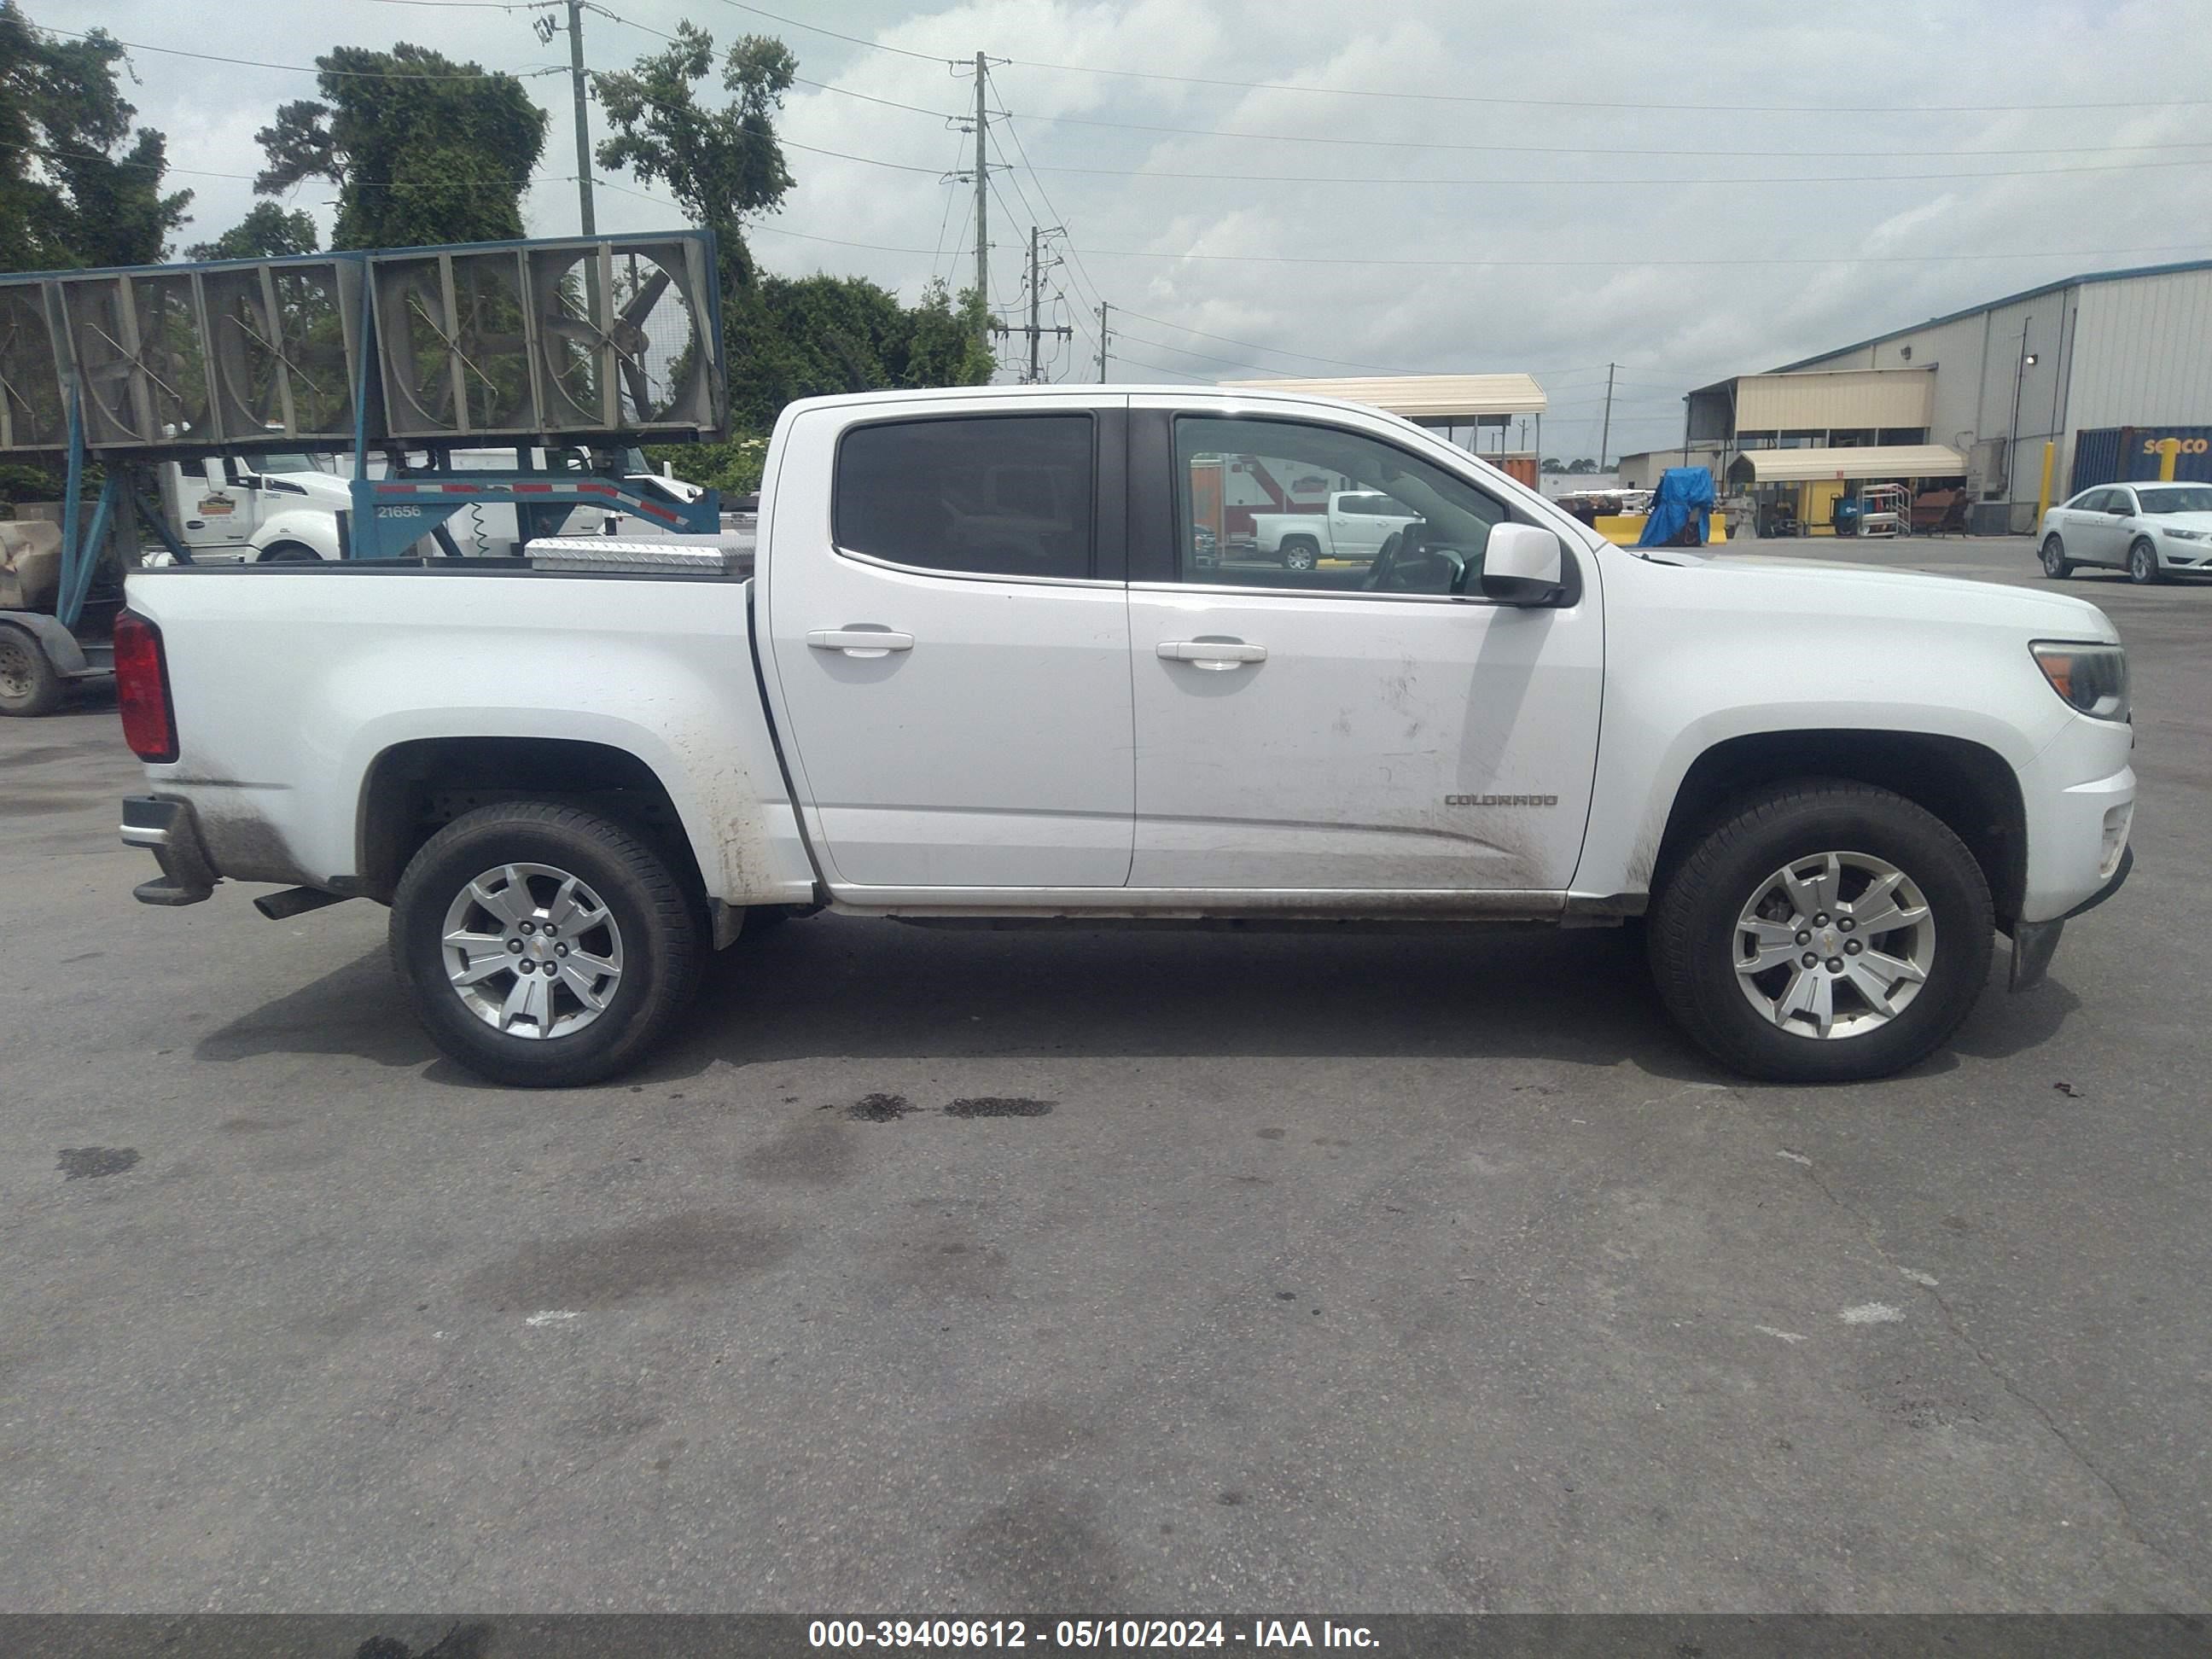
1109	1271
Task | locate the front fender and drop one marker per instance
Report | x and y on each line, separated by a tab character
318	529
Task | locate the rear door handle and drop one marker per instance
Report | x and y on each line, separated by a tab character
860	641
1212	653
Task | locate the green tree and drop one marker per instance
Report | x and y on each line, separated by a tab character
422	149
722	165
782	337
68	198
266	233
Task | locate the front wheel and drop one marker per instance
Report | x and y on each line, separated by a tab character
2056	564
2143	568
543	947
1822	932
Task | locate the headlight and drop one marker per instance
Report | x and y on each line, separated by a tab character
2187	535
2093	678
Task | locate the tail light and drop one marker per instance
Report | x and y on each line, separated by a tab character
142	690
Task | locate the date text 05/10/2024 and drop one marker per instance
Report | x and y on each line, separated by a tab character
1085	1633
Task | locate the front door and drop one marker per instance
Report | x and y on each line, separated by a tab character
949	644
1375	726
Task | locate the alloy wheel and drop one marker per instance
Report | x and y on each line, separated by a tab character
1835	945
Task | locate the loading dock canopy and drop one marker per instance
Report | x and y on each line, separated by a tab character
1455	397
1867	461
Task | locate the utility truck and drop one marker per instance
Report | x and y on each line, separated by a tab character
1823	791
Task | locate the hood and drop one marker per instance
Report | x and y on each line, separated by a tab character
1815	586
2200	521
319	488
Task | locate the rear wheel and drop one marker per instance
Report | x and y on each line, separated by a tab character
1301	555
29	684
2143	568
543	947
289	553
1822	932
2056	564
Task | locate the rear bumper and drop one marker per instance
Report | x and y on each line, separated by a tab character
168	828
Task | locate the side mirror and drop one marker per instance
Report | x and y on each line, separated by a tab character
1523	564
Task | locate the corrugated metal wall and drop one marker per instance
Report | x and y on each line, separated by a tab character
2143	352
1827	402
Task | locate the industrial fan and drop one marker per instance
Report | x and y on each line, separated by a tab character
624	342
141	357
283	349
453	333
32	415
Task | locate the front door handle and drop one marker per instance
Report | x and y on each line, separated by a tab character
860	641
1212	653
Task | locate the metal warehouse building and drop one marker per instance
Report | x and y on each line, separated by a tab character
1976	394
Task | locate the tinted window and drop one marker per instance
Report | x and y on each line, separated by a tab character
998	495
2196	498
1228	471
2121	500
2091	501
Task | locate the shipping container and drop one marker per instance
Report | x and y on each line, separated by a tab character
2130	454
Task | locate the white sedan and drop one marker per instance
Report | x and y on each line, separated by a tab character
2147	530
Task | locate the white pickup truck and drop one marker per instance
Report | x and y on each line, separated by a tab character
1823	790
1357	524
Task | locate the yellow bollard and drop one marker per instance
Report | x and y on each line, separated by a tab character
2043	496
2169	449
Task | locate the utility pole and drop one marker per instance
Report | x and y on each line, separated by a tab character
1036	296
583	133
1605	432
1101	343
983	204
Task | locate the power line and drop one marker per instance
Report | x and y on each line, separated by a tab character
1498	182
1592	149
311	69
1617	264
851	39
1579	101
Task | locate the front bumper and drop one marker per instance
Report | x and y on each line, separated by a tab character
2034	943
167	828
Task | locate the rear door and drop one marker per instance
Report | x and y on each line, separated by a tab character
948	640
1374	728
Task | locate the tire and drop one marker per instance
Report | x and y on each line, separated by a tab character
28	685
289	553
1301	555
2056	564
631	914
2143	568
1696	934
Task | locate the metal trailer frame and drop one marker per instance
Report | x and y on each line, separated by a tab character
389	515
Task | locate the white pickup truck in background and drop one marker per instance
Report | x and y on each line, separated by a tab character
284	508
1354	525
1825	790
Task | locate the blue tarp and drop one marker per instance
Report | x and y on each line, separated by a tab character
1685	496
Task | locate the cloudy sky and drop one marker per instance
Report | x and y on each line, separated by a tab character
1308	187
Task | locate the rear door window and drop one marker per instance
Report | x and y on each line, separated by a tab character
987	495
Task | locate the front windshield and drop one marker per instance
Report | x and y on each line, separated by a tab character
2190	498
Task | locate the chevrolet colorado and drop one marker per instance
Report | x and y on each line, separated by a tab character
975	669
